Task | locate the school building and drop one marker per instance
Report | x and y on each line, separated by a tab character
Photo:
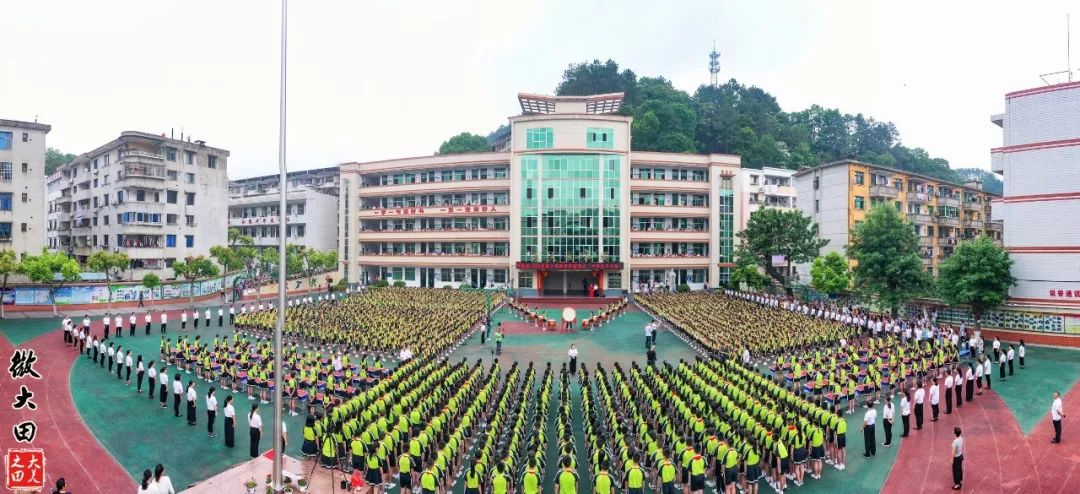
562	203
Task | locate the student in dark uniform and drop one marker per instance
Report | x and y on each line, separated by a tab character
178	390
140	371
151	379
191	397
211	411
254	430
163	386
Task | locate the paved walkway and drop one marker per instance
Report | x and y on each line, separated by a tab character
12	312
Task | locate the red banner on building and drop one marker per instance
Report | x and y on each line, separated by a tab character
433	209
569	266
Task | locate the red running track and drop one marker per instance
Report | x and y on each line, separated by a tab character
998	458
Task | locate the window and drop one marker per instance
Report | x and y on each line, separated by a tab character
5	228
24	229
189	198
5	143
817	183
95	183
170	196
25	167
189	157
140	195
25	137
173	175
539	138
170	154
25	197
211	161
189	241
859	178
817	205
860	202
189	178
5	201
599	138
170	240
753	179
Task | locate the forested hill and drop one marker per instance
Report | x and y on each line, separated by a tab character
735	119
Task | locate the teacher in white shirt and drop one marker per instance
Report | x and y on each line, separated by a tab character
1057	412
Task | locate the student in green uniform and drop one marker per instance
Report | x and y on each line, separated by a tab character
472	478
602	481
634	479
428	481
698	465
405	472
500	482
666	475
566	482
373	475
731	469
530	480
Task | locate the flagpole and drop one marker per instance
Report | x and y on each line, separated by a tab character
282	184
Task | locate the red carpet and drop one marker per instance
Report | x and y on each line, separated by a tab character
560	301
997	457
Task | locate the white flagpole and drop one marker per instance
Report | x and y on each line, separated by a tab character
278	375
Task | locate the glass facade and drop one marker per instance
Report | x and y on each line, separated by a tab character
726	239
539	138
570	208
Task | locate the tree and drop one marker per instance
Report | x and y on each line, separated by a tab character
889	271
151	281
106	262
54	159
584	79
236	238
773	232
746	271
830	273
9	265
665	119
52	269
228	258
308	261
464	142
977	274
194	268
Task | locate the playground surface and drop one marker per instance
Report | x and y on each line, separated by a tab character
113	434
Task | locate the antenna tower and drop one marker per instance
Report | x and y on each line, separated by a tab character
714	66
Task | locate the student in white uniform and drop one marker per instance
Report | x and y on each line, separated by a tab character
230	422
183	320
112	355
118	325
106	322
220	317
151	379
935	399
920	397
162	482
147	320
131	324
195	317
1010	355
191	397
1057	412
164	322
178	390
211	411
147	485
948	391
254	429
232	315
1020	353
128	363
887	414
957	460
206	315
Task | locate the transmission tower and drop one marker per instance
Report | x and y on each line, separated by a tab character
714	66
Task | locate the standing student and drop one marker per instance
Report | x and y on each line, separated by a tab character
211	411
498	340
905	412
106	321
118	326
988	370
232	315
887	414
920	396
869	434
146	486
1002	358
1011	354
164	322
162	481
178	389
183	320
127	368
151	378
119	361
163	388
254	429
1057	412
948	391
112	354
191	397
139	372
957	460
1020	353
206	315
131	324
195	317
220	317
573	354
140	298
935	400
230	422
147	320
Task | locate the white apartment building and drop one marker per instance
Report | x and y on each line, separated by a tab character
155	198
765	188
22	186
311	214
1040	159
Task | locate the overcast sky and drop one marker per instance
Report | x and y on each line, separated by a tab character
375	80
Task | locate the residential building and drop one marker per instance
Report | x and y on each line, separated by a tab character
838	195
154	198
1040	160
564	204
311	213
22	186
766	188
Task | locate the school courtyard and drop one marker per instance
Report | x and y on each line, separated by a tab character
100	434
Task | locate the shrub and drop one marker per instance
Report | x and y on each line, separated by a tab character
683	288
399	284
381	284
342	284
447	287
466	286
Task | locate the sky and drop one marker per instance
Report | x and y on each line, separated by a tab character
370	80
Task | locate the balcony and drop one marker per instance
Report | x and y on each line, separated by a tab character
672	261
63	199
433	235
994	226
919	218
948	201
926	241
669	236
948	220
920	197
430	260
974	205
646	185
883	191
669	211
501	184
435	211
974	224
997	161
144	252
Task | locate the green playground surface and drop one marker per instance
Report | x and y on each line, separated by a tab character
139	434
19	331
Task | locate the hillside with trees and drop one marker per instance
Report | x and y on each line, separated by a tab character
733	118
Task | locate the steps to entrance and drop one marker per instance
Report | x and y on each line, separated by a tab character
567	301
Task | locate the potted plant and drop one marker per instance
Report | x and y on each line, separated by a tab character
250	484
270	489
303	484
269	478
288	489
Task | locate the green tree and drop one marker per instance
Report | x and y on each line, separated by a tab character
192	269
9	265
464	143
665	118
773	232
228	258
746	271
596	77
308	261
889	271
54	159
151	281
237	238
830	273
110	263
977	274
52	269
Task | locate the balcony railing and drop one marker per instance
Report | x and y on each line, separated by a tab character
883	191
926	241
974	224
948	220
919	218
994	226
922	197
949	201
140	170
